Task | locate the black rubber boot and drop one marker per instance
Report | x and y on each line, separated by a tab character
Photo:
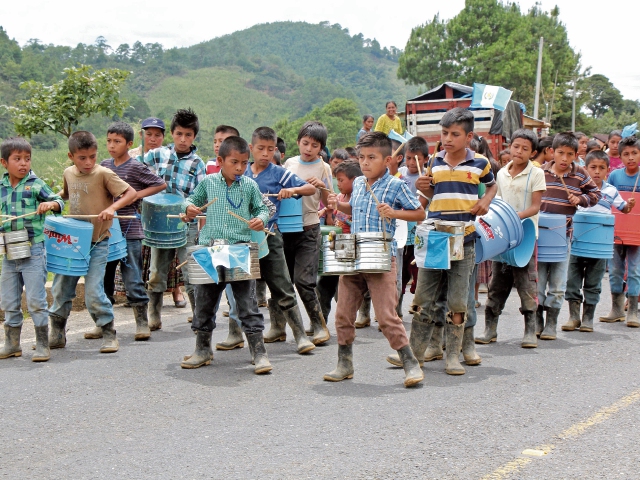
588	311
155	310
234	339
617	309
530	340
490	328
469	353
418	340
320	331
261	293
192	302
344	369
110	343
93	334
202	354
12	346
142	322
57	331
364	313
412	372
260	358
399	305
539	320
549	332
294	319
434	349
278	324
42	353
574	317
454	335
632	312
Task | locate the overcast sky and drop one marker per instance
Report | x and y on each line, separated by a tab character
602	35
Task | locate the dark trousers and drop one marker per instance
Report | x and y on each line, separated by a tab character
327	289
208	299
409	271
301	250
585	274
131	269
273	269
504	277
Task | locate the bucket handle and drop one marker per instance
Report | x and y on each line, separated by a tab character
591	229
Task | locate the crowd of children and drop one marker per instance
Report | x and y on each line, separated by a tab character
383	186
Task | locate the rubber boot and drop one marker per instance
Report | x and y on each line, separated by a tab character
469	353
109	341
364	313
418	341
320	331
434	349
155	310
294	319
234	339
42	353
632	312
261	293
12	346
57	331
93	334
490	328
549	332
574	317
412	372
617	309
344	369
278	326
260	359
399	306
587	317
539	320
530	340
202	354
454	335
192	302
143	332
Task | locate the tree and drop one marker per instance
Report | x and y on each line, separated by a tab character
60	107
599	95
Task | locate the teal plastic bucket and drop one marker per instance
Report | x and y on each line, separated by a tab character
499	230
552	238
117	242
593	235
159	230
521	255
68	245
290	215
261	239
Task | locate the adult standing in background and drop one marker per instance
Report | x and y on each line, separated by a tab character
367	125
390	121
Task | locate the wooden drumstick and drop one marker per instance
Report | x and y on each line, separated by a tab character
16	218
395	154
182	264
565	186
384	219
183	215
247	221
123	217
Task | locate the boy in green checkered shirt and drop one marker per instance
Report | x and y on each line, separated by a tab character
237	193
21	192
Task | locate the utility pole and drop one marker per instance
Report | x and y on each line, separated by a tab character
573	110
538	80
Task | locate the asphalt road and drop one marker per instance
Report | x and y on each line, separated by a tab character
136	414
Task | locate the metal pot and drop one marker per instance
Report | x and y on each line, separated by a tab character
17	251
373	252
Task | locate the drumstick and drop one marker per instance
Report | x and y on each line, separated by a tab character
21	216
182	264
247	221
565	186
384	219
184	214
395	154
271	194
209	203
122	217
326	189
635	185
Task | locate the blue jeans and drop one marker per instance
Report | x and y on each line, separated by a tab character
621	255
98	305
161	259
131	269
555	275
472	316
32	274
585	276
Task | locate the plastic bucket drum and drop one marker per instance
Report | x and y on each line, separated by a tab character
521	255
159	230
290	215
456	241
117	242
626	229
324	231
593	235
260	238
68	245
499	230
373	252
552	238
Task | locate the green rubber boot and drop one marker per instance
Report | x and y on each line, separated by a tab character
418	341
42	353
278	324
490	328
574	317
11	346
344	369
202	354
588	312
617	309
454	335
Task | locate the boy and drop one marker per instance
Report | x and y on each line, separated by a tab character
589	271
301	248
345	174
220	134
568	186
90	189
182	169
396	202
21	192
145	183
238	193
521	185
452	185
272	179
625	180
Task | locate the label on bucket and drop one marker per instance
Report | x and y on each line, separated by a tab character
60	237
489	232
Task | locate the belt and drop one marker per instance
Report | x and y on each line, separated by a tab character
306	228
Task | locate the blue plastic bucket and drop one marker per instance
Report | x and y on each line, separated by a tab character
552	238
593	235
117	242
499	230
261	239
68	245
160	231
290	215
521	255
